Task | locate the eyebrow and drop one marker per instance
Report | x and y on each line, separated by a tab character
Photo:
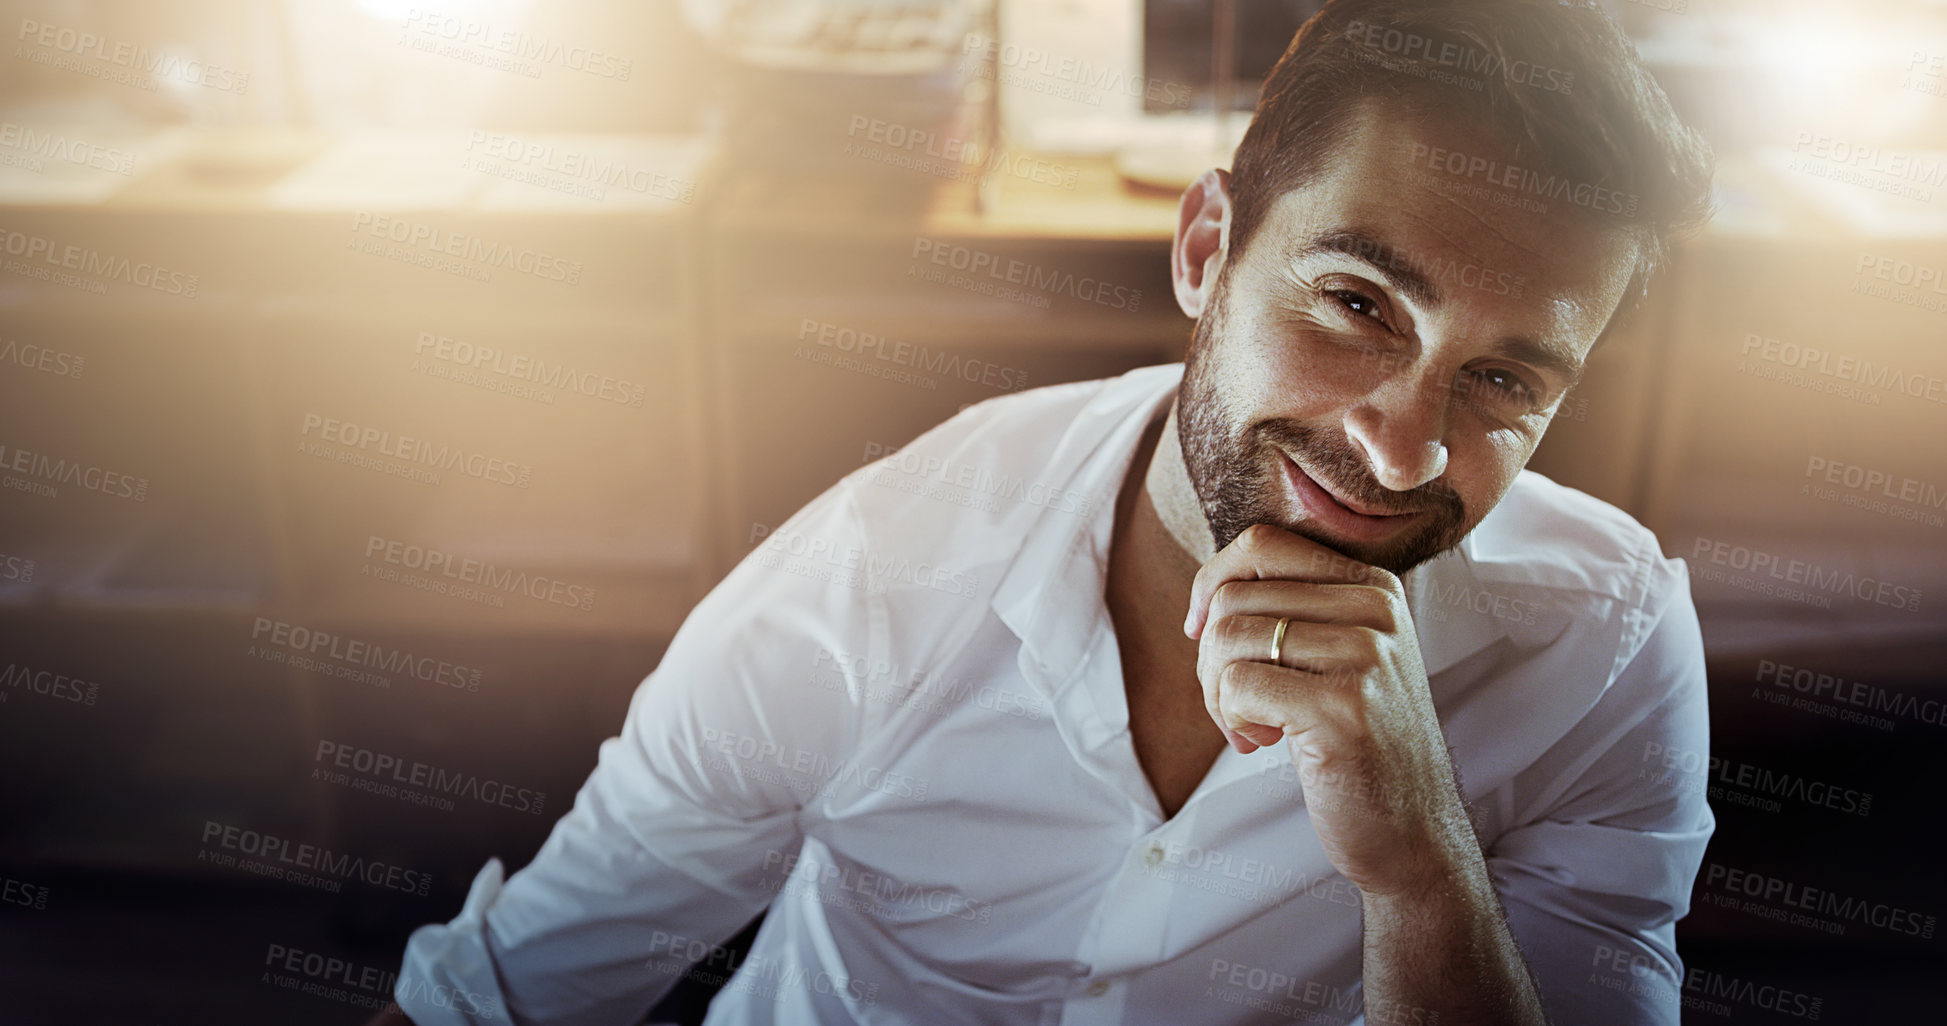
1403	273
1398	269
1527	350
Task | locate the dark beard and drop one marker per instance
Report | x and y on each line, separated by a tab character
1239	479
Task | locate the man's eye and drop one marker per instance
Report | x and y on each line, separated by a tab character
1504	387
1356	302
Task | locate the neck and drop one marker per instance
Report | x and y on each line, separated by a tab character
1161	536
1173	499
1151	568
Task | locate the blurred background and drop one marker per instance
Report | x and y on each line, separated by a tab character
382	382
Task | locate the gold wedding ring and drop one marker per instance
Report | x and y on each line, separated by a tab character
1277	639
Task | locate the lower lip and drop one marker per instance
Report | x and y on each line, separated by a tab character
1320	506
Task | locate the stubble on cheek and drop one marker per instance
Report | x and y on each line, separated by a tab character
1229	481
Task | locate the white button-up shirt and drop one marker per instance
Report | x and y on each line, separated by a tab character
900	724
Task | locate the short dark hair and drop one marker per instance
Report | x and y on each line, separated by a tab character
1554	79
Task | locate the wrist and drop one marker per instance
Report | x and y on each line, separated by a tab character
1447	878
1444	947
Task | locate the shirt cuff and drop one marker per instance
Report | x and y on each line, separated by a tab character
447	977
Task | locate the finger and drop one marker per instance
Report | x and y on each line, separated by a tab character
1208	671
1246	737
1237	741
1265	552
1313	647
1266	704
1207	683
1260	736
1351	604
1326	655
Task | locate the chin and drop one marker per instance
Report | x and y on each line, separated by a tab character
1396	555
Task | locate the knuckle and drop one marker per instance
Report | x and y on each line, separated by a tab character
1207	668
1234	677
1230	630
1202	577
1256	537
1224	600
1381	609
1200	583
1372	694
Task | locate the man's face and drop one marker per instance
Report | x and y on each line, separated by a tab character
1382	360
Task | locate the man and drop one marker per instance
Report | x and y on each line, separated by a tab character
1266	686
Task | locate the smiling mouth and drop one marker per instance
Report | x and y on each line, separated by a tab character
1326	505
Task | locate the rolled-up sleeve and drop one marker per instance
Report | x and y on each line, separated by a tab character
674	841
1594	882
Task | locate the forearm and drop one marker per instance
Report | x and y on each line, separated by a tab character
1443	956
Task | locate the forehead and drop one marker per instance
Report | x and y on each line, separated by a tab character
1460	206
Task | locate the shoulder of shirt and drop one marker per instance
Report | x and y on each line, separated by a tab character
1599	577
1548	535
1557	593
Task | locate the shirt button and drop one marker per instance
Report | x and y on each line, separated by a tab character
1153	855
1098	988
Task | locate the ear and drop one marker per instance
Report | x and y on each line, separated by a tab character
1202	239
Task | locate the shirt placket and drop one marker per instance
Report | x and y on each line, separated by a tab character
1128	929
1129	925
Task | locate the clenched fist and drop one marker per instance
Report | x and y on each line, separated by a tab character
1347	692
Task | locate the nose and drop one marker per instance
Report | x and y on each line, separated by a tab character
1399	427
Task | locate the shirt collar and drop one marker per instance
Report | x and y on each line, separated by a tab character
1051	595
